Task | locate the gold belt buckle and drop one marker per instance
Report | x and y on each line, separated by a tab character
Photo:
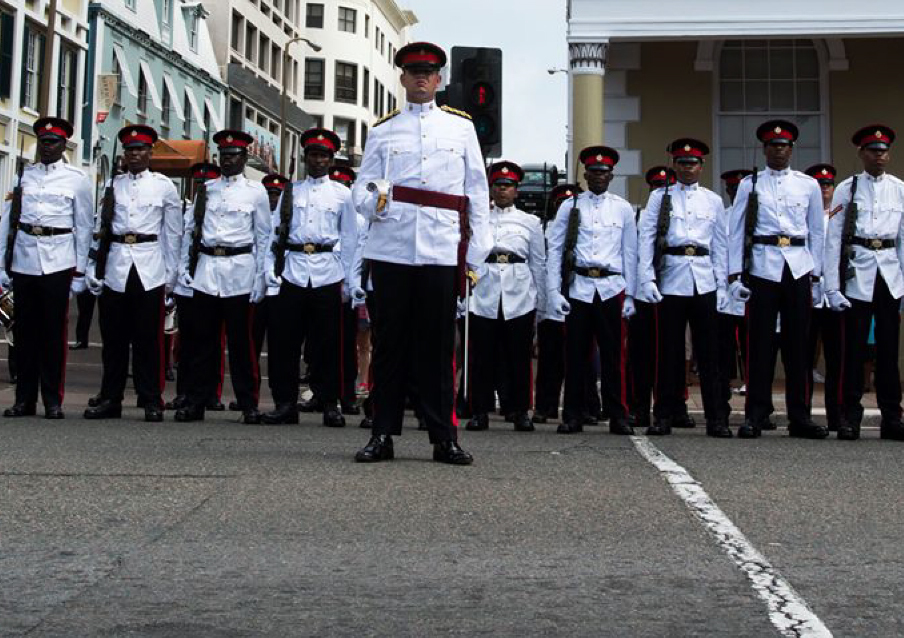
690	251
593	272
131	238
309	248
876	244
783	241
502	259
37	230
219	251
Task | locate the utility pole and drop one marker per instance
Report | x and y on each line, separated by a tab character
284	101
48	57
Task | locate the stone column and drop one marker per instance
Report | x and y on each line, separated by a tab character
587	67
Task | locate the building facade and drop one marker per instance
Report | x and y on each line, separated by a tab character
353	81
24	70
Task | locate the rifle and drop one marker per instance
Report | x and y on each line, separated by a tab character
108	209
282	232
845	270
194	251
662	227
571	242
15	209
750	219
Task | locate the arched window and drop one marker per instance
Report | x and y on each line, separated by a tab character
765	79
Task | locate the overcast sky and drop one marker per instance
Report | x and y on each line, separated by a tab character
531	34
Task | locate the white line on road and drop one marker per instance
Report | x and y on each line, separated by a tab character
787	610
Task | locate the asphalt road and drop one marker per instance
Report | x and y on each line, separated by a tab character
216	529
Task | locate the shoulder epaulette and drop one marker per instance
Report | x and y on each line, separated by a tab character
449	109
386	117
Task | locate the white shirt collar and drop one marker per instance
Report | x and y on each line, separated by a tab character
318	180
872	179
140	175
783	173
503	211
51	167
597	198
426	107
232	180
688	187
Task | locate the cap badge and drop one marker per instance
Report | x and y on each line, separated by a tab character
229	138
599	158
825	172
568	193
320	137
687	147
778	129
336	173
878	135
48	126
505	169
662	173
423	52
134	133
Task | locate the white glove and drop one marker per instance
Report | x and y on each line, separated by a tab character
258	292
95	285
628	309
78	285
460	308
168	289
186	279
738	291
358	296
837	301
272	280
722	301
558	304
649	292
816	294
5	283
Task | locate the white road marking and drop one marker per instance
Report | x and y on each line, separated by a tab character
787	610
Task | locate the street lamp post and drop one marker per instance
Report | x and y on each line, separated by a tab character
283	134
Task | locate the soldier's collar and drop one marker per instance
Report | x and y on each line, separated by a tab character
870	178
318	180
51	167
233	179
782	173
145	173
688	187
507	209
426	107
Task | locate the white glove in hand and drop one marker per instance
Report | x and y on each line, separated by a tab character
650	292
95	285
5	283
272	280
258	292
358	296
558	304
628	309
837	301
816	292
185	279
460	308
739	292
722	301
78	285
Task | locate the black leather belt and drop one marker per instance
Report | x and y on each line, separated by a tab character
42	231
226	251
874	243
595	272
133	238
309	248
782	241
688	251
505	258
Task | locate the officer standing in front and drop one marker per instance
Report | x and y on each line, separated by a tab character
139	250
596	237
872	283
421	176
310	275
784	277
224	263
503	303
49	244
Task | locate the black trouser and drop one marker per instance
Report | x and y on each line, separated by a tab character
675	313
515	338
133	318
828	324
40	333
188	341
311	315
550	365
211	313
603	320
886	310
642	357
259	324
732	345
416	317
349	347
85	302
793	299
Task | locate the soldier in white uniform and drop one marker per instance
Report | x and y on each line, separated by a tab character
872	283
684	275
136	259
310	272
224	264
596	237
783	276
503	303
47	261
422	175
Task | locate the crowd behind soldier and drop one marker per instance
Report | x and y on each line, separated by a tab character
294	263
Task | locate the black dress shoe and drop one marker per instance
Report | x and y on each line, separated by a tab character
620	426
750	430
106	409
175	404
808	430
642	419
332	418
660	427
718	429
153	414
571	426
53	412
379	448
478	423
891	430
251	416
215	406
20	409
833	425
768	425
539	417
366	423
522	422
189	413
234	406
79	345
590	419
95	401
422	424
311	405
684	421
350	408
284	414
848	431
450	452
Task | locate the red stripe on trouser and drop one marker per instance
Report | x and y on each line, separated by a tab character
65	340
255	372
454	396
623	355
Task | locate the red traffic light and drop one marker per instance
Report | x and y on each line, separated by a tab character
482	95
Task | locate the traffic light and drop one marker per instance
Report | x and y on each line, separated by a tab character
475	86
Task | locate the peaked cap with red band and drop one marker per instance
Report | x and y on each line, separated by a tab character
205	170
822	172
734	177
274	181
137	135
322	138
343	175
874	136
232	139
688	147
505	172
599	158
562	192
420	54
55	126
777	131
657	176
